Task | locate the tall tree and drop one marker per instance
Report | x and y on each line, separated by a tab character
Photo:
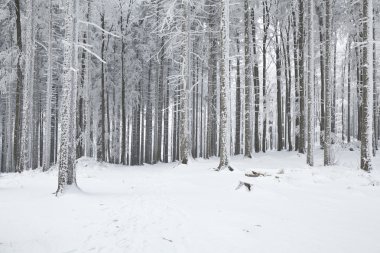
256	87
279	92
366	136
247	84
266	23
19	90
184	95
49	91
310	90
238	100
224	79
65	158
301	45
328	99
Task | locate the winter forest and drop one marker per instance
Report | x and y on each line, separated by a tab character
189	98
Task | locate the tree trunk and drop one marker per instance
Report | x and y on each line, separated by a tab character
349	94
65	156
256	84
238	100
366	136
224	79
301	42
265	37
328	103
279	93
310	90
322	69
247	84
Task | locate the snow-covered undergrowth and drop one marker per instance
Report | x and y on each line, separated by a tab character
175	208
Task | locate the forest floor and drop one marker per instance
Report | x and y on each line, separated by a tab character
176	208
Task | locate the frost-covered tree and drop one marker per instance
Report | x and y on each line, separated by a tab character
224	79
66	175
310	81
367	114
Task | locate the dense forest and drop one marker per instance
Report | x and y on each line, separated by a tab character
148	81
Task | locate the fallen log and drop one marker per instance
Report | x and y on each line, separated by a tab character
255	174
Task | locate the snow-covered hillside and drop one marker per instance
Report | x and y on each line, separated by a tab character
175	208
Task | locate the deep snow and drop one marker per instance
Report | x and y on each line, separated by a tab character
175	208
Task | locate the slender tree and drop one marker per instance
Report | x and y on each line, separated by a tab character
328	99
366	136
310	90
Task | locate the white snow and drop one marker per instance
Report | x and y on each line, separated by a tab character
175	208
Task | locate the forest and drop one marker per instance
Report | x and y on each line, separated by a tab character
148	113
137	81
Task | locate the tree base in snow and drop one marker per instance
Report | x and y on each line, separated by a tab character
67	188
247	185
224	167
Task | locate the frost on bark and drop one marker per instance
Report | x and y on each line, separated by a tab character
256	85
224	78
310	90
184	102
301	43
19	90
47	139
211	149
349	92
322	70
123	147
247	88
366	135
328	99
27	109
280	144
266	23
65	158
101	150
238	101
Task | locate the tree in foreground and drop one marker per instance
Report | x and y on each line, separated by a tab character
66	165
224	77
310	91
367	96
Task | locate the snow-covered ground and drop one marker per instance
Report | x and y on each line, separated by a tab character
175	208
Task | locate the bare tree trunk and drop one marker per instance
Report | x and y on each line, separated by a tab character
123	84
333	109
49	91
310	91
328	103
280	144
256	84
296	78
213	18
149	118
375	95
184	95
349	94
366	136
19	91
224	79
322	69
247	74
301	42
67	90
238	100
265	37
101	150
166	117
